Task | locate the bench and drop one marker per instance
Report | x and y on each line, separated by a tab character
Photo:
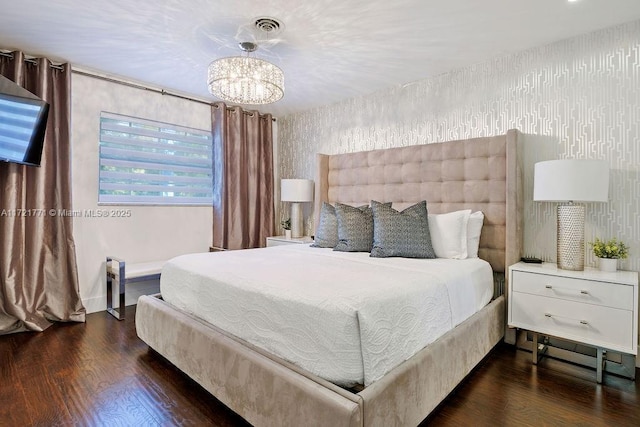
118	275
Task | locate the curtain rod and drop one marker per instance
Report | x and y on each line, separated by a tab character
125	83
32	61
122	82
151	89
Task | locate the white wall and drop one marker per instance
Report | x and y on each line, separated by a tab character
150	233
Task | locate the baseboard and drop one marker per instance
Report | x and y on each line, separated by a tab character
95	304
133	292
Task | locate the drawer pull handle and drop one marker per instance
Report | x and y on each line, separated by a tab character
582	322
583	292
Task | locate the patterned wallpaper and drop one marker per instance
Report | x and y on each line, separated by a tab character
578	98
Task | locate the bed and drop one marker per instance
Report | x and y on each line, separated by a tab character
265	389
343	316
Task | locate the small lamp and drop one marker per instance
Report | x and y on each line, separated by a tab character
571	181
296	191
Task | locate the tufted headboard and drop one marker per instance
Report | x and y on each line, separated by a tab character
479	174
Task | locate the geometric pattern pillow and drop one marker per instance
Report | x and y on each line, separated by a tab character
401	234
355	228
327	232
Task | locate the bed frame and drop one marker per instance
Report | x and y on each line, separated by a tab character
479	174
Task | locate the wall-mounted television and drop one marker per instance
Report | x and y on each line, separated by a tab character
23	121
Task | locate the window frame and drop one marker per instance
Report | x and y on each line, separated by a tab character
146	143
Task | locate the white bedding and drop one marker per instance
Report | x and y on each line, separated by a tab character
345	317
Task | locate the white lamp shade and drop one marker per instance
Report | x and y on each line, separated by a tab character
296	190
571	181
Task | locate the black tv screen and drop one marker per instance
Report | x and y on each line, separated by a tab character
23	122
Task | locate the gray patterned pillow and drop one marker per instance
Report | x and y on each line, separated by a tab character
327	232
355	228
401	234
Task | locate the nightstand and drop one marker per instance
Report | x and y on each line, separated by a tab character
281	240
590	307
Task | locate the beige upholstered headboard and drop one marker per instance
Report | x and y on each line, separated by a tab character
479	174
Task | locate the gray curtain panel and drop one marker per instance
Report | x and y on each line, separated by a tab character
243	212
38	271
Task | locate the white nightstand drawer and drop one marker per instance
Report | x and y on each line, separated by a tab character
572	289
591	324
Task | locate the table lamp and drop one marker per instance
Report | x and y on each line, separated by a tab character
571	181
296	191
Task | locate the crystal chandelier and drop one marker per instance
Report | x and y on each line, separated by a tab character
246	80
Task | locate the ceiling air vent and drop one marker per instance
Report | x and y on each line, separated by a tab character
268	25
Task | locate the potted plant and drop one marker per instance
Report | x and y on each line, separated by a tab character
609	252
286	224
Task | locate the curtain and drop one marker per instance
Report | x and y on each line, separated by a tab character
243	213
38	271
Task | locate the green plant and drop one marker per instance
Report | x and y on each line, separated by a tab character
609	249
286	224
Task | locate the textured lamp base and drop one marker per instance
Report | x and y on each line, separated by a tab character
297	229
571	237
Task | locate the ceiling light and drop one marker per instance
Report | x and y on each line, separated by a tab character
245	79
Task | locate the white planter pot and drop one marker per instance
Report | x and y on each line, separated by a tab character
287	234
608	264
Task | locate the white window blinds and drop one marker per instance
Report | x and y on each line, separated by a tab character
147	162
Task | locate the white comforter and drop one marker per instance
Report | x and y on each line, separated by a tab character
345	317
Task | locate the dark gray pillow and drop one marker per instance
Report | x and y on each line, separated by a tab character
327	232
401	234
355	228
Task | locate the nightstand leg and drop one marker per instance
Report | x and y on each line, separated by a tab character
537	350
599	365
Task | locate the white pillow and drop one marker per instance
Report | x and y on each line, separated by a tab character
474	228
449	234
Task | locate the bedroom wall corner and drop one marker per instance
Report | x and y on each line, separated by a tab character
150	233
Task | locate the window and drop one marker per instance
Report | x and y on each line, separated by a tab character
147	162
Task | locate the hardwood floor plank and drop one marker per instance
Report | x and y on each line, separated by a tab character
547	394
99	373
33	361
12	397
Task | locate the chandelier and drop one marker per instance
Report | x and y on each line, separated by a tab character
246	80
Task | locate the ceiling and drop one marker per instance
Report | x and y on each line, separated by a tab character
329	50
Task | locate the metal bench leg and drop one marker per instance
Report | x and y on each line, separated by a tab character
119	278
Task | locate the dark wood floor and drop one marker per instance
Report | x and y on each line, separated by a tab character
100	373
